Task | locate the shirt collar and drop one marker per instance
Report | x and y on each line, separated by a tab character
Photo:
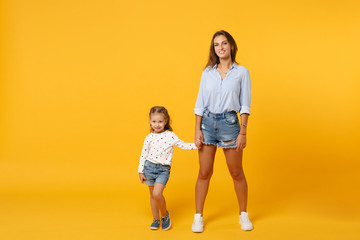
233	66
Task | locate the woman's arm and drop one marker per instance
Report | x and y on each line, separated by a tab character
241	139
244	120
245	99
199	110
198	134
245	93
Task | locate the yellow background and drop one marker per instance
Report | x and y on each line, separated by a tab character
79	77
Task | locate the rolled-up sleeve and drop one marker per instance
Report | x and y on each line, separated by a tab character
245	93
200	105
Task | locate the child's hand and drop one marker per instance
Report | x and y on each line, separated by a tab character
142	177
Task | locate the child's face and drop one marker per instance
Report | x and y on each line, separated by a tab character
157	122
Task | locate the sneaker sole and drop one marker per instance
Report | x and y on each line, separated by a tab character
165	229
197	230
154	228
247	229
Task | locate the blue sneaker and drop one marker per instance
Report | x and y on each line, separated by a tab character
165	222
155	224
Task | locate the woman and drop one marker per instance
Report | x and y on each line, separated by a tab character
224	91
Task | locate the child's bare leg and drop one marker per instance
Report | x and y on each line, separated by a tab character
157	194
154	207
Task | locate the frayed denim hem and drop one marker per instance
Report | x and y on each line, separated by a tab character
212	144
216	145
227	147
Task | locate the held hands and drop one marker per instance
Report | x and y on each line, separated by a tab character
240	142
142	177
199	139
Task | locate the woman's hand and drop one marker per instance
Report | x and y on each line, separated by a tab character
142	177
240	142
199	139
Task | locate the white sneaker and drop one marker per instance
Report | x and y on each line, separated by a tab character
244	221
198	224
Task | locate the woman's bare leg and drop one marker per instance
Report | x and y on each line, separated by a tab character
234	163
206	161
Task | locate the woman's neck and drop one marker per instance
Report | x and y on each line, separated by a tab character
225	63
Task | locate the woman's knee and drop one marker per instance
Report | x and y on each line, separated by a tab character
205	174
238	175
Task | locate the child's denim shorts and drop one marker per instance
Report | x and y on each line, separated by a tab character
220	129
156	173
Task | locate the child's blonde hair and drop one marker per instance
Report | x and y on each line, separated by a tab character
160	109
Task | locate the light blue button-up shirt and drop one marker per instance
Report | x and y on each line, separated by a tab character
233	93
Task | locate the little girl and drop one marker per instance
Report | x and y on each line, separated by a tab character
155	163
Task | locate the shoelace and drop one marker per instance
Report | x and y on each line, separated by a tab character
164	219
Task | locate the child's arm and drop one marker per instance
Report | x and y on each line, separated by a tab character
183	145
144	154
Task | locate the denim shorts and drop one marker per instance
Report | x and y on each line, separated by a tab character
156	173
220	129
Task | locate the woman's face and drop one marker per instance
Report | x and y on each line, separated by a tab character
222	47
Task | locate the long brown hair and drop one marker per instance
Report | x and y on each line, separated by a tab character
162	110
213	58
